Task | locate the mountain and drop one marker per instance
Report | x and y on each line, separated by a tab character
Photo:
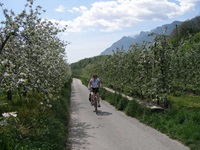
126	41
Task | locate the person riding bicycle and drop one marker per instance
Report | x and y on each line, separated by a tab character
94	85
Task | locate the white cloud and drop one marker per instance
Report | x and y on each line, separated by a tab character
187	4
81	9
114	15
60	8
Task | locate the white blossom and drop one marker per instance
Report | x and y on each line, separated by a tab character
9	114
6	74
21	80
49	105
4	61
22	74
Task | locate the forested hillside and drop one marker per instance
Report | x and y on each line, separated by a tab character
166	73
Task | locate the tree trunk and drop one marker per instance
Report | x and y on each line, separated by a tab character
9	95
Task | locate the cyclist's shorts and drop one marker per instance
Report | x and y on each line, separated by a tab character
95	90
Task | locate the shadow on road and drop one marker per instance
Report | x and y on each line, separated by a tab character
103	113
77	130
78	134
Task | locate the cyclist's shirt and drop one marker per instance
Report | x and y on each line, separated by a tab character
95	83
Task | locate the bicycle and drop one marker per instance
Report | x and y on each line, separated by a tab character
94	99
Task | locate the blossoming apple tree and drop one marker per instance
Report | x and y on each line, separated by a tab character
32	56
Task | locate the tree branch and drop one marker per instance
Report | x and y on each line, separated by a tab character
4	42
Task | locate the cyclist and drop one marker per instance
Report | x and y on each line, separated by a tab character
94	85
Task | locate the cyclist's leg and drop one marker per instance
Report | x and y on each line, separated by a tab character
92	97
98	99
95	102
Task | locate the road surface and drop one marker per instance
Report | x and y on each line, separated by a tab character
110	129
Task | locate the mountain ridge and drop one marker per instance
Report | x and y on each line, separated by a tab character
126	41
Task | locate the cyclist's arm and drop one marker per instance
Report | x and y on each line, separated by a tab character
89	85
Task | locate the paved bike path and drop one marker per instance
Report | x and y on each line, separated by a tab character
111	129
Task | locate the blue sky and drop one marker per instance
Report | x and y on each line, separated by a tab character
94	25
